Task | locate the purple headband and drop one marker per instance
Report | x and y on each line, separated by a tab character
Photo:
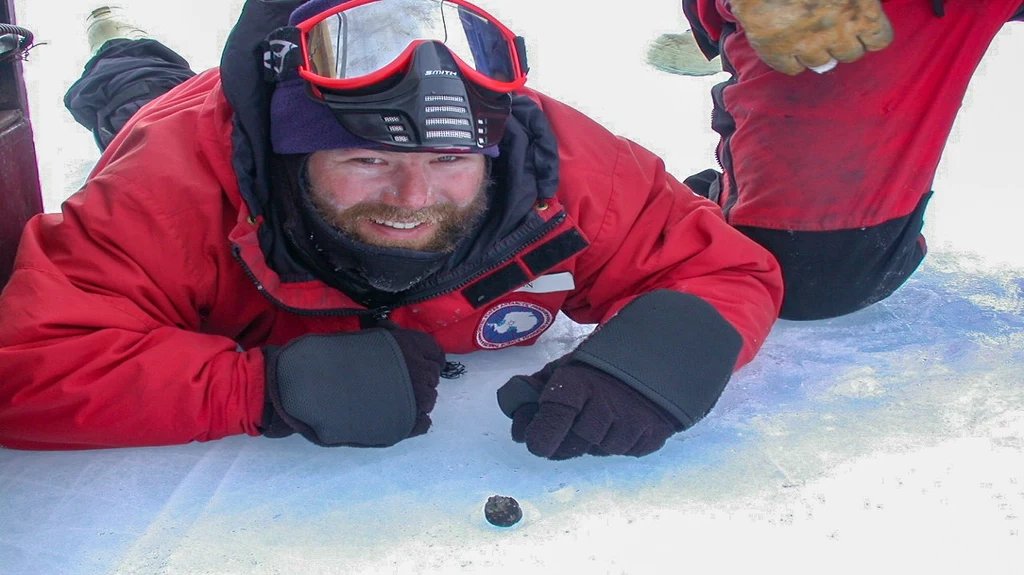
301	125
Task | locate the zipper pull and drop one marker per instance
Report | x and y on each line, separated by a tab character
376	317
382	313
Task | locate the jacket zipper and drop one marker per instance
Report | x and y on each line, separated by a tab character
382	312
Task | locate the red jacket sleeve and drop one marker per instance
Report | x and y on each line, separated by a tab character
100	332
654	232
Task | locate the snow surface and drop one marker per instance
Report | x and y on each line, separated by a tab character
891	439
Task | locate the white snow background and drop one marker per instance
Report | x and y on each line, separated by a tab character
887	441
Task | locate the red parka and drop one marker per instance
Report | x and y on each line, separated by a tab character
136	316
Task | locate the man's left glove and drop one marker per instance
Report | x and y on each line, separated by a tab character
581	409
655	368
369	388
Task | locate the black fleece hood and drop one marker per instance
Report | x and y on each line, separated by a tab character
525	172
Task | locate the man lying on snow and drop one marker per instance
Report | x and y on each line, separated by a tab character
292	242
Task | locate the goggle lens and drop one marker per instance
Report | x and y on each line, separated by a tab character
363	40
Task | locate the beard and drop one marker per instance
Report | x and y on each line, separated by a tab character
453	222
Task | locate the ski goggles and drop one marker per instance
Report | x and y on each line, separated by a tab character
358	44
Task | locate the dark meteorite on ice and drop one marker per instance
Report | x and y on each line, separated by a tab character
502	511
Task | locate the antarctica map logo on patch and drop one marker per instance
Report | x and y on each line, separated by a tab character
511	323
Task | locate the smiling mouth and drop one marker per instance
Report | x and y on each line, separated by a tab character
396	225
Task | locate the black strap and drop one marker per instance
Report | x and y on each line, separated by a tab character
495	285
281	53
555	251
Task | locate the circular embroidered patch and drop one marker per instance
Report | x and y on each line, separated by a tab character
511	323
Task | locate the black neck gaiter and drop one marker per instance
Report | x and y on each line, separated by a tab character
373	276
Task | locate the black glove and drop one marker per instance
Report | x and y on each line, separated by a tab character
655	368
370	388
581	409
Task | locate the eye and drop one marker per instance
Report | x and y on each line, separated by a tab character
449	158
370	161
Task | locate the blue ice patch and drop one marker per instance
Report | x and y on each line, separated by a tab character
511	323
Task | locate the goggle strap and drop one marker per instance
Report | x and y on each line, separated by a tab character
282	54
520	42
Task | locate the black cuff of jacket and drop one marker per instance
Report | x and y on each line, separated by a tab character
345	389
672	347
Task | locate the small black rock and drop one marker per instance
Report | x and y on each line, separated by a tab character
502	511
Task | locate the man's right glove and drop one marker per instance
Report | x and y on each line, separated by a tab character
655	368
370	388
793	36
581	409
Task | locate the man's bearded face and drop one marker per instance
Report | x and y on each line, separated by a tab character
413	200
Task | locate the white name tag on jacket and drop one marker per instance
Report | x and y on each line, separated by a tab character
550	283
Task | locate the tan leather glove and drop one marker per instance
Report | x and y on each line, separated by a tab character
792	36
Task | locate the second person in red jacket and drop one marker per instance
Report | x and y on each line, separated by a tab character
833	172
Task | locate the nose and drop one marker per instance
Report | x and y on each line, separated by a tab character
412	188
